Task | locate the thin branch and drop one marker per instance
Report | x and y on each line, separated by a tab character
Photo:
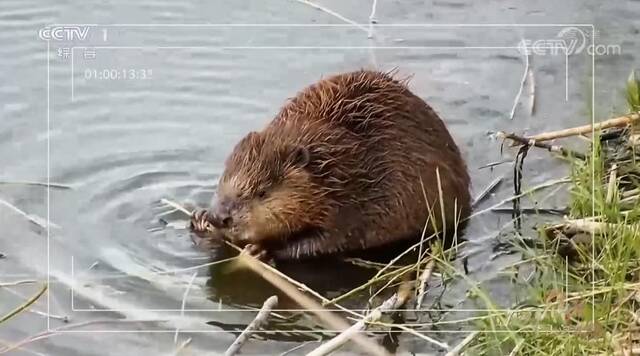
176	206
615	122
334	14
260	319
486	191
33	218
17	283
52	332
525	193
296	348
516	101
551	148
532	91
372	18
184	303
37	184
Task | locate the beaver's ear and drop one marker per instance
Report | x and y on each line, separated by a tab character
299	156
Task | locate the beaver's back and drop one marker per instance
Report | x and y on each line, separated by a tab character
377	149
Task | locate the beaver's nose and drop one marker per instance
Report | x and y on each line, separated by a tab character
221	215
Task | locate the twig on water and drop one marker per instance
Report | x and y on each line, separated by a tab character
533	210
396	301
25	305
615	122
494	164
181	347
184	303
296	348
17	283
532	142
176	206
260	319
334	14
38	184
33	218
532	89
524	193
52	332
458	348
372	18
486	191
516	101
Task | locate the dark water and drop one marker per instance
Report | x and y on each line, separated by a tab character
159	93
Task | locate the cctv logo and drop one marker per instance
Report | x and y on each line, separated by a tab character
64	33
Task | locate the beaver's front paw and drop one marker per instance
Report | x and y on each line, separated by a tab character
200	221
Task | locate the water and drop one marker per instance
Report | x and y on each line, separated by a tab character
186	93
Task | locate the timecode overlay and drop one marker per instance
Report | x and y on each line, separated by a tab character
237	75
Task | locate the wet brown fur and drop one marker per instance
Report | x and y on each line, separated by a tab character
345	165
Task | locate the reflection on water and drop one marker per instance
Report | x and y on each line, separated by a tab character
137	113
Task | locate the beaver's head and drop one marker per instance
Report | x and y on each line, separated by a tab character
267	190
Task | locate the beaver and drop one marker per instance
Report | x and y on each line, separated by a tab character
352	162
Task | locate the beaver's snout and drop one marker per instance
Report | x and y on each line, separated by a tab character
221	214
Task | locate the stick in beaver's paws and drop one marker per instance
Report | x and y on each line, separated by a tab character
201	225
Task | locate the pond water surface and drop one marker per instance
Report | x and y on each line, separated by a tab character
150	102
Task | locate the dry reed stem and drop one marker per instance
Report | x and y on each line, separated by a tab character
611	186
260	319
458	348
25	305
424	279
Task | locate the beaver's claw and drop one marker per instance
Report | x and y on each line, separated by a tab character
200	221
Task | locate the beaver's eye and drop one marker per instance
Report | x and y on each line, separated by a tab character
261	193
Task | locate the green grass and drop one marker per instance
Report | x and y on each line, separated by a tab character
589	303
